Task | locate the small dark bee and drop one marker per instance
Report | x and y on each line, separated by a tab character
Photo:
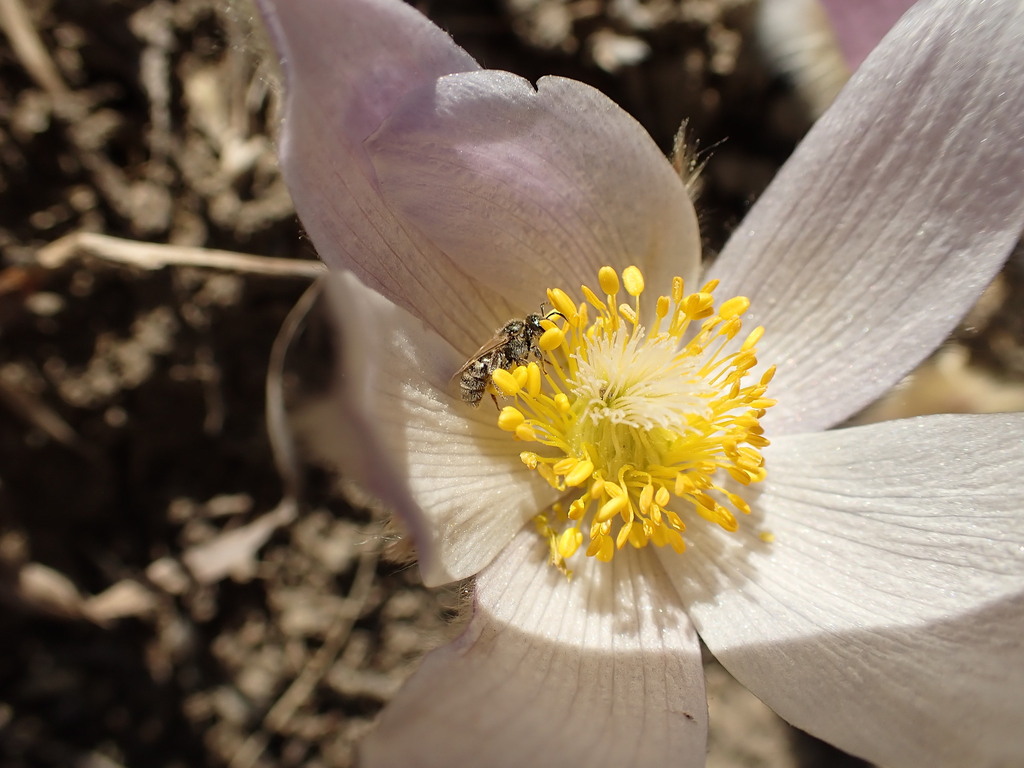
511	345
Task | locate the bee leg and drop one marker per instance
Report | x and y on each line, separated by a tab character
495	399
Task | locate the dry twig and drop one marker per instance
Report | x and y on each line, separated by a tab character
153	256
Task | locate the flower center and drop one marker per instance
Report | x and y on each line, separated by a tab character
636	424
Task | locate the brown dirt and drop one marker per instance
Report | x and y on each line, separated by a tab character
132	428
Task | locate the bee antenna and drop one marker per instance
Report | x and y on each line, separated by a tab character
552	313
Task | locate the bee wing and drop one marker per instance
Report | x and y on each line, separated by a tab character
498	340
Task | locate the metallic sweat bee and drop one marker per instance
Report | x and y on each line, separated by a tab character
512	345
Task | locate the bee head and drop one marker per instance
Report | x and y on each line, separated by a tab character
533	322
533	326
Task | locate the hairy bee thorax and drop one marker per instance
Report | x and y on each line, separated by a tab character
512	345
638	427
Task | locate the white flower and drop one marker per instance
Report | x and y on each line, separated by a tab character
885	610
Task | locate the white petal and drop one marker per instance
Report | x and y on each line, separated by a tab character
531	188
454	478
348	63
893	214
602	670
887	615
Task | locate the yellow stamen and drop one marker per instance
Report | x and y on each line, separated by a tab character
510	418
608	279
639	427
505	382
561	302
633	280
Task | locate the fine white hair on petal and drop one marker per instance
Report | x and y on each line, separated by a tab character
528	187
891	217
886	616
603	671
406	437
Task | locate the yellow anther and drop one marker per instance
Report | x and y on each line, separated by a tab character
526	433
529	459
684	485
716	513
533	382
730	327
628	313
633	281
576	509
520	374
590	296
662	497
638	536
560	301
562	402
734	307
646	498
608	280
545	471
565	466
752	339
510	419
675	540
677	289
698	305
605	549
505	382
612	490
661	308
551	339
569	541
659	536
580	473
611	508
624	535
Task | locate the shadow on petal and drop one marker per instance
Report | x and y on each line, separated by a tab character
555	673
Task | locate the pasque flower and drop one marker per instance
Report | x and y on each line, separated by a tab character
866	582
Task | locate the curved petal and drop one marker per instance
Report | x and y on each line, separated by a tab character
529	188
887	615
348	63
601	670
891	217
454	478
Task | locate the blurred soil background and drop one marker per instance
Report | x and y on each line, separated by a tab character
169	594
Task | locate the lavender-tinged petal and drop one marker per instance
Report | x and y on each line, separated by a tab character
348	63
363	55
859	26
527	188
404	436
887	614
893	214
602	670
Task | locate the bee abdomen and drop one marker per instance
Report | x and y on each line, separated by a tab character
475	379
